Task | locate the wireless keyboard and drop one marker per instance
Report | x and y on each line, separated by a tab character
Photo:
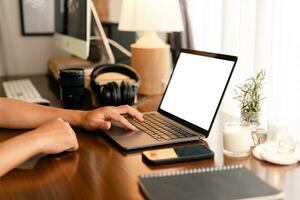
23	89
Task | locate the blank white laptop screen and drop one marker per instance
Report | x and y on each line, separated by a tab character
196	87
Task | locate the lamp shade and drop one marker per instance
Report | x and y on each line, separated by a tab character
150	15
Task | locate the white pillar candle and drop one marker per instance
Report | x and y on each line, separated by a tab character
237	138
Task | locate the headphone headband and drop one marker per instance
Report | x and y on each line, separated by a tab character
119	68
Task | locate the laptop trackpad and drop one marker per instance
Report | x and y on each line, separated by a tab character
128	139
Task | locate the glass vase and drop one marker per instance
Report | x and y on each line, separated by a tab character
249	118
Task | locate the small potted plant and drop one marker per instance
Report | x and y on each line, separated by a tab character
249	96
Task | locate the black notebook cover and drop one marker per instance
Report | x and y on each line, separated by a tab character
229	182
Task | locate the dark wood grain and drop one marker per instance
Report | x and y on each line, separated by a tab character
99	170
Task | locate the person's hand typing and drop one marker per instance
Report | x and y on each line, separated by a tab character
100	118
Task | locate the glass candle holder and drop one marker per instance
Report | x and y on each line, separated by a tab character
236	139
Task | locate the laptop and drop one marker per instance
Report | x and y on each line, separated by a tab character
189	104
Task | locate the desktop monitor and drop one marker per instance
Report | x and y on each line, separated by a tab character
76	24
72	26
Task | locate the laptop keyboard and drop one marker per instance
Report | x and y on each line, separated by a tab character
160	129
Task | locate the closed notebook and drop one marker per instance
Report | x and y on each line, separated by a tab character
228	182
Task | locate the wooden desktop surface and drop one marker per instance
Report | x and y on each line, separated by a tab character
99	170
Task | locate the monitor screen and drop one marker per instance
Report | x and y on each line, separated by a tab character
71	18
72	26
196	88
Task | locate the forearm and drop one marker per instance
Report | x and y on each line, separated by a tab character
18	114
15	151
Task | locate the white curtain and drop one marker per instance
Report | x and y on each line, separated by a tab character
263	34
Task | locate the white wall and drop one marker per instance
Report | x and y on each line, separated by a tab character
22	54
114	7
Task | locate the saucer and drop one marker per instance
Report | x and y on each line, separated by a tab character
269	152
256	152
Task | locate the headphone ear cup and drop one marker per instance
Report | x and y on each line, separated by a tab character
123	93
113	94
130	94
104	95
117	92
133	93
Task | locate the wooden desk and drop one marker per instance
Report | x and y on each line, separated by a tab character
98	170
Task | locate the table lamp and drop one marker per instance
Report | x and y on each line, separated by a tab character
151	55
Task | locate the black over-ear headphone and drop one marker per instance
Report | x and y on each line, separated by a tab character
112	93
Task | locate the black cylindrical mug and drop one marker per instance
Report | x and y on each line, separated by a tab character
72	87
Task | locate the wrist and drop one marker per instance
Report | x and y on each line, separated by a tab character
81	116
74	117
36	141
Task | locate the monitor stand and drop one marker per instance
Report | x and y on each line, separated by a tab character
101	51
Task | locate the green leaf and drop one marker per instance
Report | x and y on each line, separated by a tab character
249	93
